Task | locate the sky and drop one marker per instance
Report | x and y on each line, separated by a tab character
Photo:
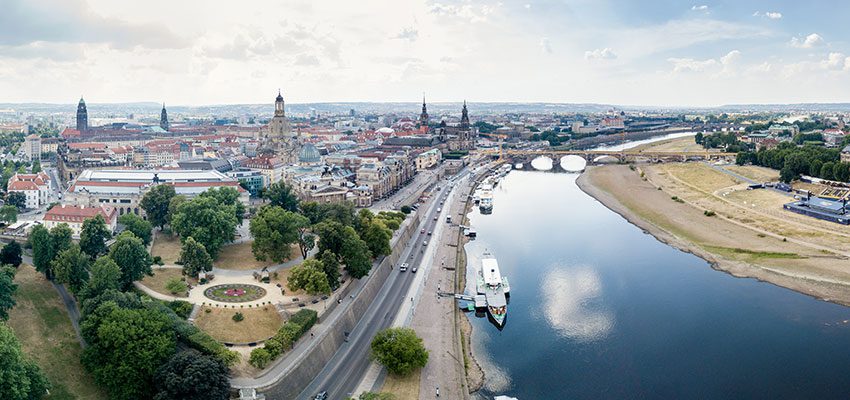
647	52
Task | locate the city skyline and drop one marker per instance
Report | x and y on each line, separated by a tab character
660	53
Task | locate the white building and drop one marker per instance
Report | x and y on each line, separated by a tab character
36	188
32	147
428	159
74	216
124	188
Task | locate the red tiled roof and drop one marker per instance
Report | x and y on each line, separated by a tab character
21	185
70	213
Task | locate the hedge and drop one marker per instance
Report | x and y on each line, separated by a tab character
286	336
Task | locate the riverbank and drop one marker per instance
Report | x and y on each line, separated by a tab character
727	243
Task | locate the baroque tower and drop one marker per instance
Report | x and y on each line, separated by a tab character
464	118
163	119
278	138
423	118
82	116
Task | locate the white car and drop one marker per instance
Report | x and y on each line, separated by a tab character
402	267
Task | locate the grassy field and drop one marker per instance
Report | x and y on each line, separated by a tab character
161	277
259	323
700	175
42	324
239	256
683	144
166	246
404	388
750	255
758	174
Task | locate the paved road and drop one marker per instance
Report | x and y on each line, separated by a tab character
346	368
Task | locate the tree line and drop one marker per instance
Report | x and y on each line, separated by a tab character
138	347
793	161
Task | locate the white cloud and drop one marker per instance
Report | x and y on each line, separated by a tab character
409	34
546	44
812	40
600	54
470	12
702	8
723	65
768	14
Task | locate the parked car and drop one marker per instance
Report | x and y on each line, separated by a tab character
429	233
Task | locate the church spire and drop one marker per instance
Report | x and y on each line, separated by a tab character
82	116
423	117
163	119
464	117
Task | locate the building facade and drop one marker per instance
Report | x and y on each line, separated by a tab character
32	147
36	188
74	216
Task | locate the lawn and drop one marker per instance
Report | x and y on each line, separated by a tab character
239	256
758	174
260	323
160	277
166	246
404	388
700	175
42	324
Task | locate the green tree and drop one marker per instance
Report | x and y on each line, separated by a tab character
104	275
175	285
260	358
377	237
330	264
20	377
190	375
130	254
16	199
155	203
71	267
42	250
60	239
275	230
127	347
9	214
8	287
356	255
94	235
826	170
227	196
309	276
406	209
11	254
331	236
174	204
399	350
211	223
136	224
281	195
194	258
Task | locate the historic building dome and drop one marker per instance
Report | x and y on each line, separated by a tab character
309	154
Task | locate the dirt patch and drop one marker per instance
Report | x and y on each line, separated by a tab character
403	388
683	144
758	174
167	247
740	249
160	278
240	257
41	323
259	323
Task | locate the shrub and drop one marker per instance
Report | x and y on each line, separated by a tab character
175	285
274	347
238	317
709	213
181	308
207	310
158	260
260	358
406	209
304	318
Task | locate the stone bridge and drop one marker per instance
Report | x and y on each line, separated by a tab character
609	156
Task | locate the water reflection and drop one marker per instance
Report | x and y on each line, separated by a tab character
542	163
573	304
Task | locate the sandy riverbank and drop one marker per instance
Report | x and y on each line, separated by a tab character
727	244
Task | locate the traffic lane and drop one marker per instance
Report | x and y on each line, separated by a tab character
359	339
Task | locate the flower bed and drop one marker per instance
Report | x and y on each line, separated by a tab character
235	293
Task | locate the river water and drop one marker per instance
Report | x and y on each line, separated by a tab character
601	310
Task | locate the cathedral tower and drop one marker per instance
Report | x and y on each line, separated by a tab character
163	119
423	118
464	118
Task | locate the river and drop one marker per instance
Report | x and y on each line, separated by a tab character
600	309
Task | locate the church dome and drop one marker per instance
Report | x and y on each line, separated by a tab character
309	154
